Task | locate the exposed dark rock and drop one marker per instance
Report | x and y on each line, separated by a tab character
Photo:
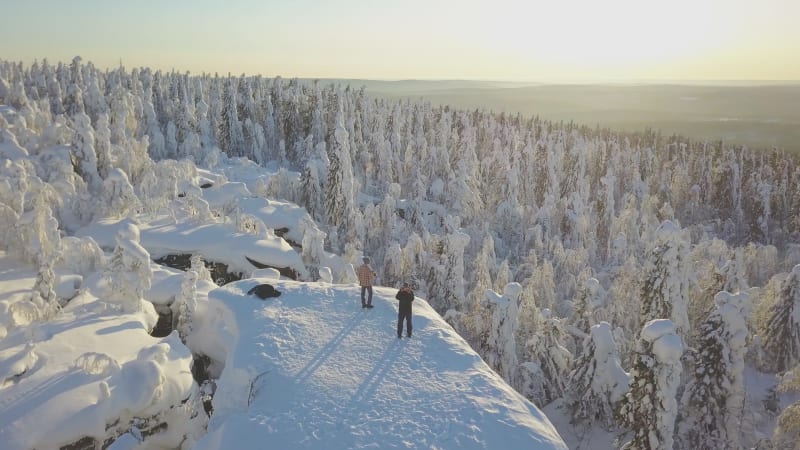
287	272
206	185
84	443
263	291
219	271
200	369
281	233
147	427
164	325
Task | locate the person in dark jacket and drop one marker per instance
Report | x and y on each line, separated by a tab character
406	297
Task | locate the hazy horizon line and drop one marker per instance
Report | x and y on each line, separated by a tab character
552	81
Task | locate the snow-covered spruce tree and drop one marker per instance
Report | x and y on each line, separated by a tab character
666	288
473	322
81	255
589	296
311	191
118	197
313	243
83	150
198	266
47	238
649	409
711	405
502	337
128	270
787	433
102	145
44	295
392	273
597	383
229	134
543	374
455	242
734	273
197	206
37	229
13	185
8	229
781	336
340	188
542	282
413	255
187	304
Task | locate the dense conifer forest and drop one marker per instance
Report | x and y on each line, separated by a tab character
652	271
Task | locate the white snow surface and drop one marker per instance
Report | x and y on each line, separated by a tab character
667	346
216	242
312	369
71	377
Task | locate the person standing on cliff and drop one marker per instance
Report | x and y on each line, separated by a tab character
366	275
406	297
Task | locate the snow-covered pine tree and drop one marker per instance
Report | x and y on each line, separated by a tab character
649	409
781	336
711	405
597	383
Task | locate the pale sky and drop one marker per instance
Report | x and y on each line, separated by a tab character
534	40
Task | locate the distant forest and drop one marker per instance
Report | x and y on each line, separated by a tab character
760	115
607	233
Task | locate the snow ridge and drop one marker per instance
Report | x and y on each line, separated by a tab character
311	369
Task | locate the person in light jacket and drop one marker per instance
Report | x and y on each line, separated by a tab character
366	275
406	297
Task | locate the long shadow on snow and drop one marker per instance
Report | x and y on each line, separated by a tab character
378	374
326	352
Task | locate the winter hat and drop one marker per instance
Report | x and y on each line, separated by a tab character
366	260
406	285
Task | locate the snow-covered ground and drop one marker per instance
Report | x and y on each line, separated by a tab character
308	369
87	371
312	369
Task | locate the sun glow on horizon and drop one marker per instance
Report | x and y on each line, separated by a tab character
423	39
